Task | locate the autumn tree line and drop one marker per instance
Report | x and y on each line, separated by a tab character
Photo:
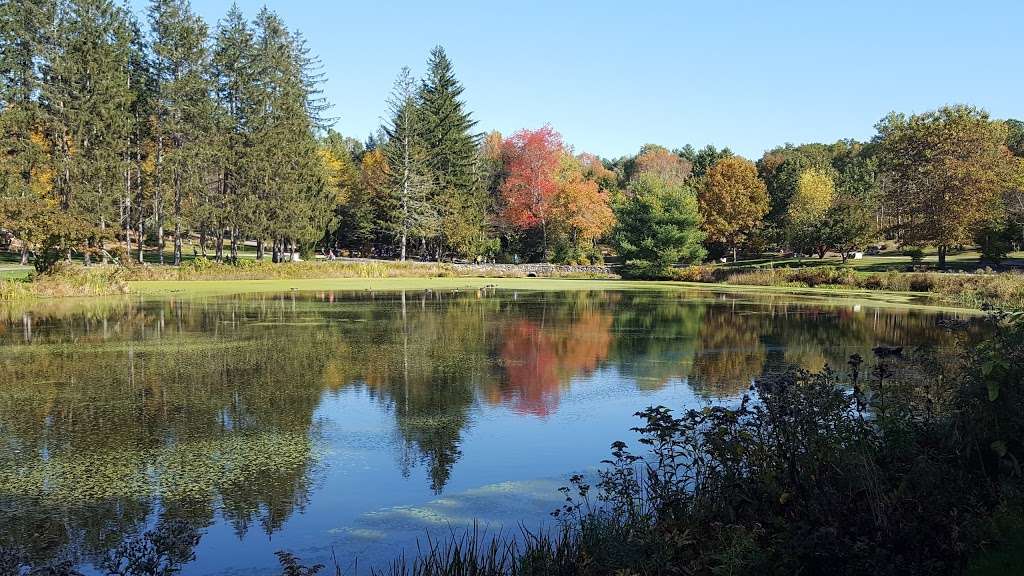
121	135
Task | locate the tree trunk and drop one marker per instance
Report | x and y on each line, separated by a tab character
128	213
160	238
24	254
103	252
942	256
734	254
234	244
202	241
544	239
158	200
142	244
219	247
402	243
177	220
259	249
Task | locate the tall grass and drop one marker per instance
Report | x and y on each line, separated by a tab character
69	279
64	280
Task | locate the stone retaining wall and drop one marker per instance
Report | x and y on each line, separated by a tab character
538	270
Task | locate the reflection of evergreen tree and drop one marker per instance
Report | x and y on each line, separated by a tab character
655	336
184	389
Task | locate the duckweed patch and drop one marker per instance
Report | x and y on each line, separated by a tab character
192	469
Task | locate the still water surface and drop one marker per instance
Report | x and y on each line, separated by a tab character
360	422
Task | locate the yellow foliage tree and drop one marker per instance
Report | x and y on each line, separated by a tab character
815	193
947	172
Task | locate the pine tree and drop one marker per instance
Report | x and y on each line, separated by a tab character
233	75
136	176
408	166
451	152
180	63
23	26
87	97
294	206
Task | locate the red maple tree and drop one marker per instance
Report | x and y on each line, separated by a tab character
531	160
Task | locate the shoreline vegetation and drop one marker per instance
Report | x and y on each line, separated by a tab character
974	291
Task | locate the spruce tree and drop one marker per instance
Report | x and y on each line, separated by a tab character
24	156
233	75
451	151
294	207
136	176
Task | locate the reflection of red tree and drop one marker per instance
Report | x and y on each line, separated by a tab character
539	360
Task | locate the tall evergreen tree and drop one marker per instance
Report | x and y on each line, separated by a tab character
86	92
408	166
233	76
136	175
23	29
451	148
284	166
180	64
24	156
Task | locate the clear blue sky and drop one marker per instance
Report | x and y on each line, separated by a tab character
611	76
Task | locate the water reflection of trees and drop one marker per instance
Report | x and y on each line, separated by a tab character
105	421
113	416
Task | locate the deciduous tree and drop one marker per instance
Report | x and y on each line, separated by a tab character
531	159
658	161
733	201
947	169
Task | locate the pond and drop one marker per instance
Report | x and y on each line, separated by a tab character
354	423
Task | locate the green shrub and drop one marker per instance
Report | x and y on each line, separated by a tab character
915	253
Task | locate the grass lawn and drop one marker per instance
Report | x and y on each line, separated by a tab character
967	260
19	273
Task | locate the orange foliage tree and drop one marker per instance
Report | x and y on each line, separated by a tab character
581	207
733	201
659	161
